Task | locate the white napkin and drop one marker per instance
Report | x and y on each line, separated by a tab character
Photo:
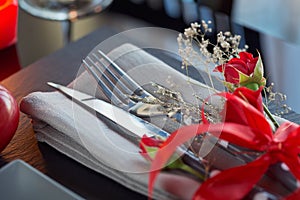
78	134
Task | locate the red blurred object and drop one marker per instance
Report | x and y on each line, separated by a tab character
8	22
9	117
9	62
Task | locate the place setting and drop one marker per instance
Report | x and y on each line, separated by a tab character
168	133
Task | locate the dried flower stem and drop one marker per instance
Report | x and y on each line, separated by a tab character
269	114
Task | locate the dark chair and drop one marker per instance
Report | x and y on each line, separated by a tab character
220	13
178	14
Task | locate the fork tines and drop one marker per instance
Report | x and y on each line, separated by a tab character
114	82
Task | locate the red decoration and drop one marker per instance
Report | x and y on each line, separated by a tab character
8	22
244	64
252	97
247	127
149	142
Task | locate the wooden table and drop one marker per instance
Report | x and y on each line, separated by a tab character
60	67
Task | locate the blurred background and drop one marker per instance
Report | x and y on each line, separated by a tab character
276	35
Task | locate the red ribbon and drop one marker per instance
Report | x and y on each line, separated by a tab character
249	129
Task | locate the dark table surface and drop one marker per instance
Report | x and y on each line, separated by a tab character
62	67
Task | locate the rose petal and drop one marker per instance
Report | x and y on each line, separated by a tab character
231	75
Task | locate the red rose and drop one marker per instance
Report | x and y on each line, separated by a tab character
245	64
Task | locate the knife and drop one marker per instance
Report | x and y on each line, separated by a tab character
135	127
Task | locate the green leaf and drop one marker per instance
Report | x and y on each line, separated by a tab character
244	78
174	162
177	163
151	151
252	86
259	69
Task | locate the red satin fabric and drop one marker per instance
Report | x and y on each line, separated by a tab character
247	127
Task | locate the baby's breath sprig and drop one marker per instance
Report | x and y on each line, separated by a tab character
197	50
173	102
277	99
194	46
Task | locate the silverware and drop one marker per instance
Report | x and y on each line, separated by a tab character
120	88
136	128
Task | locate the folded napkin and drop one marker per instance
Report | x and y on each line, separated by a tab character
77	133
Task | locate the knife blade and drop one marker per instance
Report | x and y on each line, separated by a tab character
137	125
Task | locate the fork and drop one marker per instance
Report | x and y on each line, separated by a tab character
126	95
